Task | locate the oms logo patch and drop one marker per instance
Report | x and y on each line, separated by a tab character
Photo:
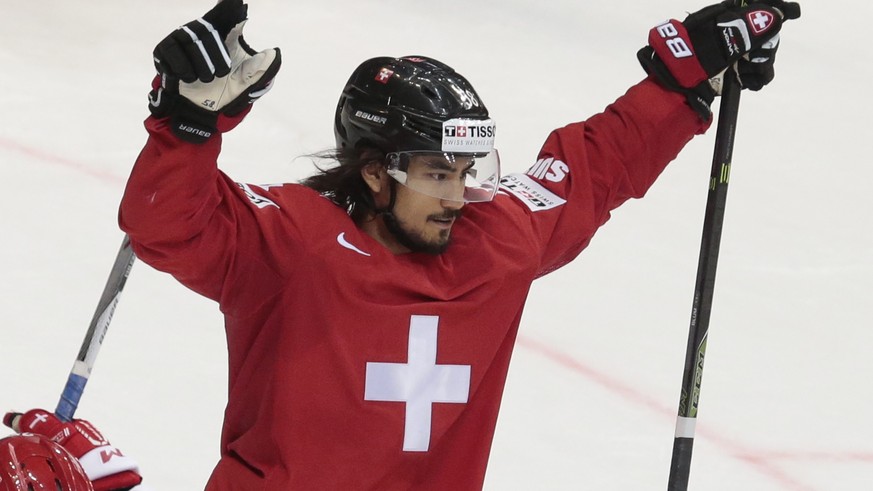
549	169
531	193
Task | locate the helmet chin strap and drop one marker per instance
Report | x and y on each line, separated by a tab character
391	223
389	210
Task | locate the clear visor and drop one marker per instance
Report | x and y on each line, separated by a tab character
450	176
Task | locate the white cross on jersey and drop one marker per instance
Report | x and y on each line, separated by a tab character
419	383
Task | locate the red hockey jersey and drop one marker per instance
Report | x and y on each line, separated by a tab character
351	367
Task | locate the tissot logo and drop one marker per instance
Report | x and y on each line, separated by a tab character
468	135
469	131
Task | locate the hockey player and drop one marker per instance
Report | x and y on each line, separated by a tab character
371	311
52	455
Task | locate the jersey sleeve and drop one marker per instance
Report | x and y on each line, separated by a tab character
187	218
587	169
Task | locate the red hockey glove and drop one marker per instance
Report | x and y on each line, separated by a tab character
208	76
685	56
106	467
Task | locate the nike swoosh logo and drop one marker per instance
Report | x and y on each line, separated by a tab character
341	238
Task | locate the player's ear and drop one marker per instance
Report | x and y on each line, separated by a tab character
373	170
374	176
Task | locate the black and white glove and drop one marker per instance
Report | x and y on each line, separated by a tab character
691	56
208	76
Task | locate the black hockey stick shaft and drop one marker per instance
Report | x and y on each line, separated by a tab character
96	332
689	399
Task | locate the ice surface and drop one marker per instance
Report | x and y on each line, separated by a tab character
593	388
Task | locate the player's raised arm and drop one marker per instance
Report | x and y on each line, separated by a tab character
207	79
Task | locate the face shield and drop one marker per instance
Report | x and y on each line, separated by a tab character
467	168
448	176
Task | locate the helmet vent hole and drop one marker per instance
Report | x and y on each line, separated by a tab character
429	92
430	131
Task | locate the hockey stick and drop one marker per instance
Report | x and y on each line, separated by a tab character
96	332
680	467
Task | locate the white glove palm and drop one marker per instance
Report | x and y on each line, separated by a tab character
247	67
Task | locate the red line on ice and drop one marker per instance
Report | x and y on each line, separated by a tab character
43	156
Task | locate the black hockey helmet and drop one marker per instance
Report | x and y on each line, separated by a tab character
401	104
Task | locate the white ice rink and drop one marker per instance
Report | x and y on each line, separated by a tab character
787	402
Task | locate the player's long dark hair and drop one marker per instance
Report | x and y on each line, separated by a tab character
339	179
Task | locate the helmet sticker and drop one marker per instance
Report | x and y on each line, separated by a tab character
468	98
384	75
468	135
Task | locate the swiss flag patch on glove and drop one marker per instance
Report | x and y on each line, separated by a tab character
760	21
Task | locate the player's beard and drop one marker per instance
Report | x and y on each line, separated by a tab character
415	241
